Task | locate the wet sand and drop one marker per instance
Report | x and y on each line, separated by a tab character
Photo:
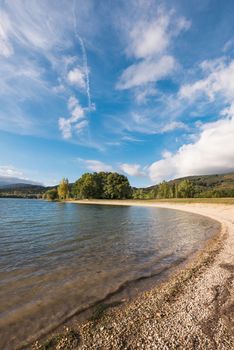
193	310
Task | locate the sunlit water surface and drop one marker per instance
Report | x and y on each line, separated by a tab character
56	259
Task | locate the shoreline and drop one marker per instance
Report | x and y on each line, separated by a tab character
193	309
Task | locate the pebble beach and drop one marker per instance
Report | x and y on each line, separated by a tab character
194	309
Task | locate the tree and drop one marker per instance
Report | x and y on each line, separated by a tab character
138	193
103	185
117	187
164	190
63	189
174	190
185	189
51	195
88	186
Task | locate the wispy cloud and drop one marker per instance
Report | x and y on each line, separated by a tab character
95	165
145	122
146	71
75	120
76	77
37	59
219	79
149	42
132	169
6	48
11	171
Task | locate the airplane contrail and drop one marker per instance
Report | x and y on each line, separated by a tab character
84	58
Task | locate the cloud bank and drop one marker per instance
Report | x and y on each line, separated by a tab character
212	153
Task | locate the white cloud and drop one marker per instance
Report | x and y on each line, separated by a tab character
146	123
11	175
60	88
173	126
81	125
75	120
219	79
26	19
95	165
142	94
228	111
6	48
65	127
77	112
211	153
21	80
72	102
10	171
132	169
37	43
146	71
149	40
150	37
77	77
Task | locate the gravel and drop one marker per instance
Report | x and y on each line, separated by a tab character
193	310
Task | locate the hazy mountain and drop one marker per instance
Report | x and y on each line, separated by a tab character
7	180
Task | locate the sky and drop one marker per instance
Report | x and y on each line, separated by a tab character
141	87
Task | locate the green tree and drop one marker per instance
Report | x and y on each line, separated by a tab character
63	189
174	190
51	195
164	190
102	185
137	193
117	186
185	189
153	193
88	186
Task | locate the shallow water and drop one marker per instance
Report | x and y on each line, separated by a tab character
56	258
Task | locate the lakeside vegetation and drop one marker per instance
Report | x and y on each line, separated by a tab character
102	185
205	186
107	185
110	185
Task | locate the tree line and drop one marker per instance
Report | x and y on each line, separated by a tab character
184	189
110	185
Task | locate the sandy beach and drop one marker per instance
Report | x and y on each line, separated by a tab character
193	310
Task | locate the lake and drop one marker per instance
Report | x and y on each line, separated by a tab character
57	259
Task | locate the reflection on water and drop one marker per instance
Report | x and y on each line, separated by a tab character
56	258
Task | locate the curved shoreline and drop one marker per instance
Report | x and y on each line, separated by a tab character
192	310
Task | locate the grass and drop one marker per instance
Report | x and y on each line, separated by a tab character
194	200
225	200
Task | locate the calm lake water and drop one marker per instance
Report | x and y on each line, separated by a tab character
56	258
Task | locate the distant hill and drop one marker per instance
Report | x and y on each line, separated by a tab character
22	190
20	186
214	182
7	180
217	184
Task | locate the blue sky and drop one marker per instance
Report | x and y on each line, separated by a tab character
145	88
